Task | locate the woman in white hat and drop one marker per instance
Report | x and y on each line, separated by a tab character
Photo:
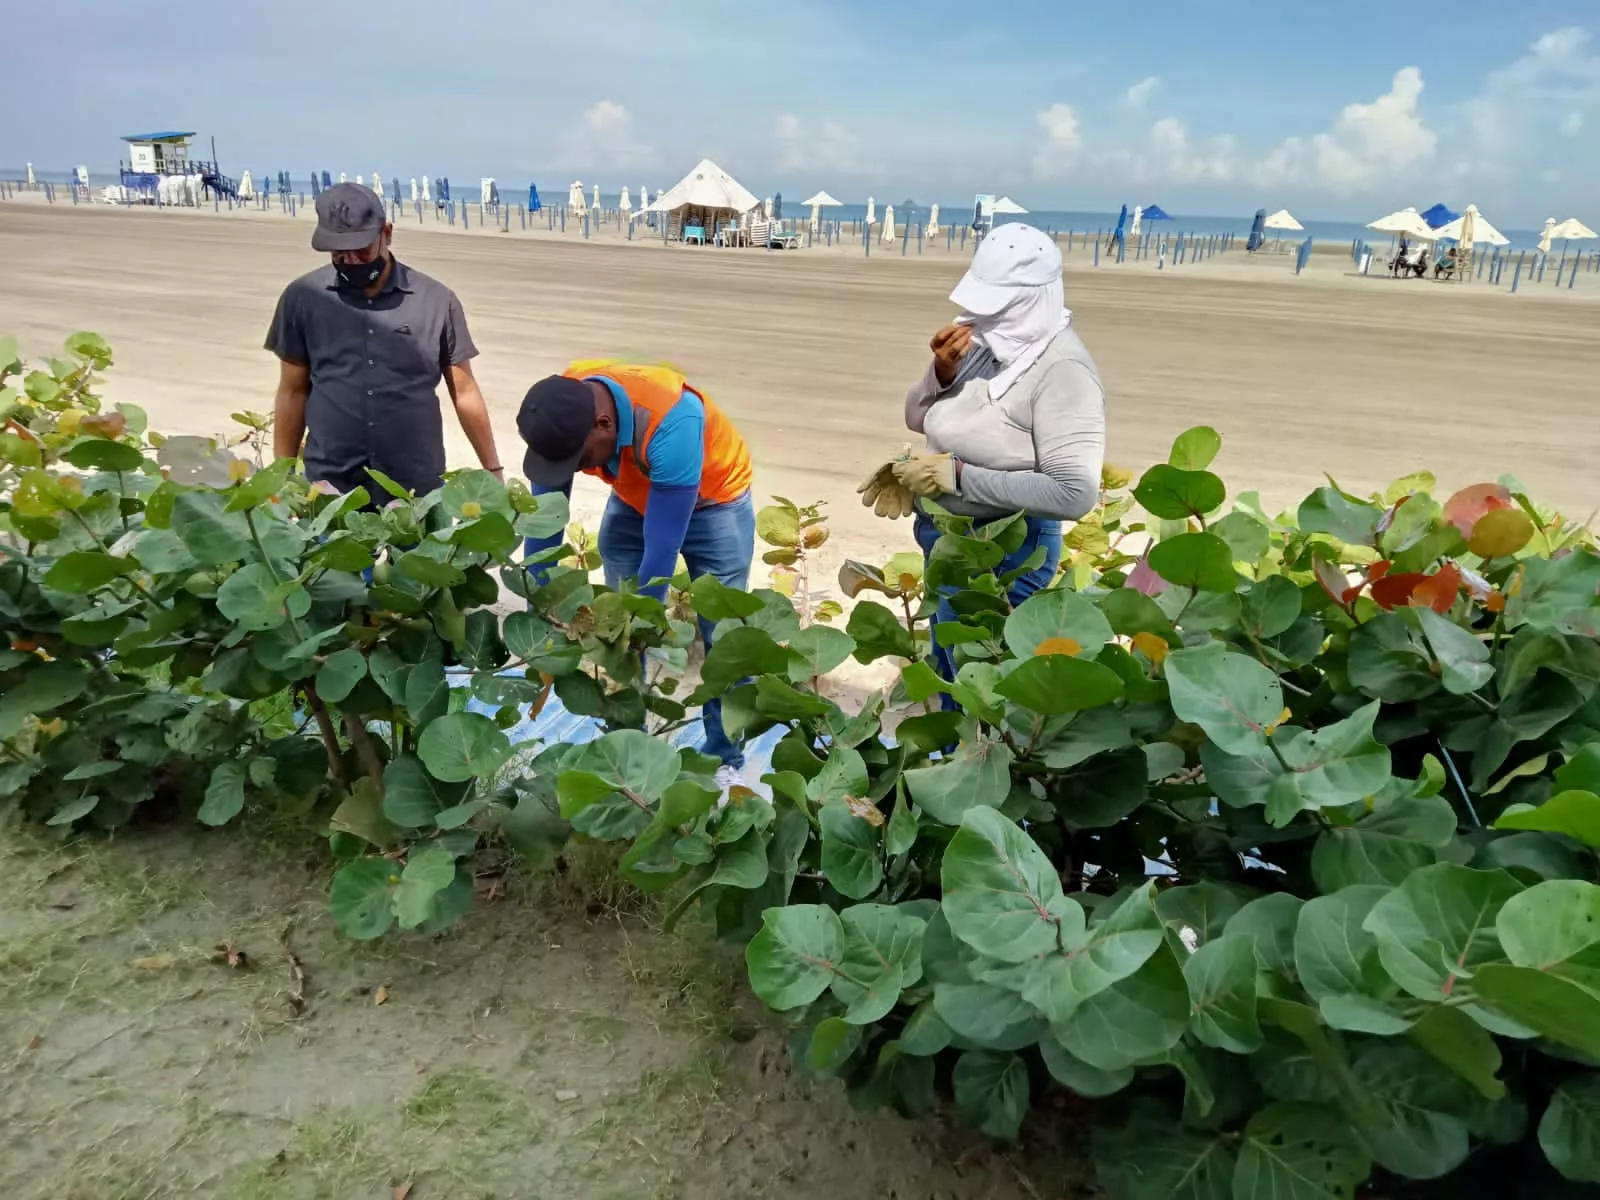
1011	406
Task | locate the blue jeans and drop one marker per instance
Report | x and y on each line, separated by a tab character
720	542
1039	533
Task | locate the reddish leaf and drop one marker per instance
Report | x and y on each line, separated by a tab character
1439	590
1378	570
1392	591
1335	583
401	1192
1466	508
1496	602
1143	579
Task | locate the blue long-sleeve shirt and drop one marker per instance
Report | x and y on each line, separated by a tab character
677	458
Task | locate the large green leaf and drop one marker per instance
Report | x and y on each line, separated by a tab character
412	798
461	746
1299	1152
1559	1009
1270	607
1060	683
1555	927
211	535
1138	1018
1573	813
43	686
429	870
820	650
1200	561
1270	923
1388	662
1557	593
1438	927
991	1092
544	648
254	597
1002	895
1174	494
1336	961
224	794
1154	1158
340	672
852	851
1231	696
793	959
1463	658
1072	1072
1328	510
1339	764
1083	966
987	1015
878	633
882	957
629	761
1221	975
1057	613
1195	913
1460	1043
361	898
81	571
977	775
740	653
1569	1131
1195	448
1416	1130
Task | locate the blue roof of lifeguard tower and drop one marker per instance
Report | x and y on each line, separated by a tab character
170	136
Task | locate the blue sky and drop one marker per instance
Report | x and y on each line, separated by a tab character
1208	106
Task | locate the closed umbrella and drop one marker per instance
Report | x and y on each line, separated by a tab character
888	223
326	182
1138	216
933	221
1258	235
427	190
575	200
597	197
1546	235
413	189
872	211
377	184
247	189
342	178
626	202
31	180
766	207
533	198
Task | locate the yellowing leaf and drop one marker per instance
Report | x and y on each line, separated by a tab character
238	470
381	996
1113	477
154	962
860	806
1057	645
69	421
471	509
1152	646
1500	532
1273	725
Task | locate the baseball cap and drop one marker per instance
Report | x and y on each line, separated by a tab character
1010	258
554	420
349	217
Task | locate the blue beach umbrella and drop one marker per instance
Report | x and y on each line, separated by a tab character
327	180
1121	232
1258	231
1439	216
533	198
444	190
316	187
1155	212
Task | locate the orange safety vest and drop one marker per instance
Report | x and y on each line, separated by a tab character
653	391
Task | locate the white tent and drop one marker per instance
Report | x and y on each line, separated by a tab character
427	190
933	222
1573	229
575	201
596	198
1407	222
707	187
377	184
889	234
1006	205
872	211
1471	228
413	189
247	190
626	202
816	204
1283	219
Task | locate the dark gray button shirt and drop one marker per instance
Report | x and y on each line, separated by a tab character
375	366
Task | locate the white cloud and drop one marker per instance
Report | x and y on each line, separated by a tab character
827	147
1573	125
1558	72
1168	156
1368	144
607	138
1139	94
1063	141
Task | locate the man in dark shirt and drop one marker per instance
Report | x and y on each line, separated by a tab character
363	343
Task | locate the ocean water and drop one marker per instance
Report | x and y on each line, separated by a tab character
464	187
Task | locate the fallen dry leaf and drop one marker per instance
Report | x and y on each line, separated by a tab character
381	996
230	953
35	1042
154	962
401	1192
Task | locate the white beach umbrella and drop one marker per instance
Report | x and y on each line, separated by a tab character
1138	220
427	190
413	189
1573	229
1007	205
872	211
575	200
31	180
597	197
933	221
246	188
1407	222
626	202
766	208
1546	234
342	178
377	185
889	234
817	203
1472	228
1283	219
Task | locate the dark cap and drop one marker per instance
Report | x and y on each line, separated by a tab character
349	217
555	420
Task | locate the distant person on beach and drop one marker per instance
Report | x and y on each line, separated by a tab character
362	344
680	484
1011	406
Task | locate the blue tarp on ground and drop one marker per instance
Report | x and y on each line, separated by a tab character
1439	216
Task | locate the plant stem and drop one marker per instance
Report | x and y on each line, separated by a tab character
272	568
356	730
100	542
330	739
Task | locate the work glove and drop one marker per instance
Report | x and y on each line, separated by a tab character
885	494
927	474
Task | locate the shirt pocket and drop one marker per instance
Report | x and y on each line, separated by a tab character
411	352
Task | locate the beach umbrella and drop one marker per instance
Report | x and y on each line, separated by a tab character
1257	234
1006	205
933	221
1573	229
427	190
817	203
444	189
343	179
777	206
1472	229
394	186
872	210
247	189
1138	216
31	180
888	223
575	201
1407	222
1282	219
1439	216
413	189
626	202
1120	234
377	184
766	208
326	181
596	197
1154	212
533	198
1546	235
316	187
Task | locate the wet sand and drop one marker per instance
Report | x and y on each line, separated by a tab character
811	352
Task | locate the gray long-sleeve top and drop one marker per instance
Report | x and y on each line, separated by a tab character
1037	449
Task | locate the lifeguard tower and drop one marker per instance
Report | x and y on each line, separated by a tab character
157	161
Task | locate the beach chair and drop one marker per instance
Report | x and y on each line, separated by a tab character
760	231
694	233
675	228
784	241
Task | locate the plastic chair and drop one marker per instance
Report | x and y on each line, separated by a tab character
694	233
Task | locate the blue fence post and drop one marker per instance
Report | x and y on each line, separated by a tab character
1122	248
919	237
866	239
1543	258
905	237
1097	248
586	224
464	219
1517	277
1573	277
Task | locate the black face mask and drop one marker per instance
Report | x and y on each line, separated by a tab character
358	277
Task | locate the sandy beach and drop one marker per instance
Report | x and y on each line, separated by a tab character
1364	379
